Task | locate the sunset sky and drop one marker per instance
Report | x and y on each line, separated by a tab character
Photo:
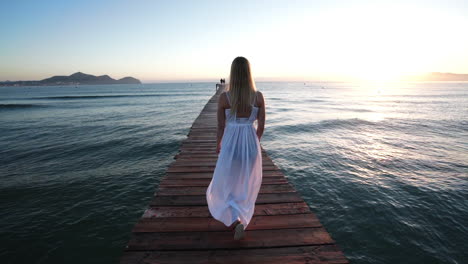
197	40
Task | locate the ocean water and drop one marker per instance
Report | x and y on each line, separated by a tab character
384	166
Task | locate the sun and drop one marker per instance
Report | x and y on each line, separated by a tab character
380	44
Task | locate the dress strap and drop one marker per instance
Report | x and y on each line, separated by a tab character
229	99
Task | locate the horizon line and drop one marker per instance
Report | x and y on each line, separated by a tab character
329	78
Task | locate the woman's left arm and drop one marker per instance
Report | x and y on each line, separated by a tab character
261	115
221	117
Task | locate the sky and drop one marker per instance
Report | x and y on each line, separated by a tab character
197	40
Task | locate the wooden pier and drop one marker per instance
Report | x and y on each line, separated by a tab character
178	228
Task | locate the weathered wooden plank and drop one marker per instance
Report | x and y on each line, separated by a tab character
197	152
224	239
202	211
204	137
189	224
209	175
323	254
201	154
263	198
208	168
200	157
206	151
205	182
202	163
201	190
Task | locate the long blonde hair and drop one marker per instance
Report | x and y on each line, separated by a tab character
241	85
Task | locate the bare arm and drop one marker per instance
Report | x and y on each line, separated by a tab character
261	115
222	105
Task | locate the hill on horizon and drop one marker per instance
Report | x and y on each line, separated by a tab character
77	78
439	76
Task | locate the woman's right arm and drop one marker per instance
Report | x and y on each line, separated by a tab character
261	115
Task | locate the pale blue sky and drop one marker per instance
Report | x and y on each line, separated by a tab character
197	40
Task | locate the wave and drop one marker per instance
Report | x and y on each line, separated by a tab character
355	124
73	97
323	125
314	101
359	110
415	102
19	106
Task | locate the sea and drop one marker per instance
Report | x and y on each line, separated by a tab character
383	165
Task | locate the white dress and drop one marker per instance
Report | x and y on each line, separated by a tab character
237	177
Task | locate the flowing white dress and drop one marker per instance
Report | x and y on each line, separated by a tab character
237	177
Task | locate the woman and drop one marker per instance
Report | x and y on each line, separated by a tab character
237	177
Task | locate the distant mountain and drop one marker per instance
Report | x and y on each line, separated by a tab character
440	76
74	79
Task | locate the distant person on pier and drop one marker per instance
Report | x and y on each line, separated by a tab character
237	177
221	84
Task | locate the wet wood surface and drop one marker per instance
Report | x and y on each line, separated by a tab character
178	228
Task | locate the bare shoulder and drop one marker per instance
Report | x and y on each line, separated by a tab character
222	97
222	100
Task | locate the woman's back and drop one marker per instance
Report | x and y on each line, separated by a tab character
251	114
